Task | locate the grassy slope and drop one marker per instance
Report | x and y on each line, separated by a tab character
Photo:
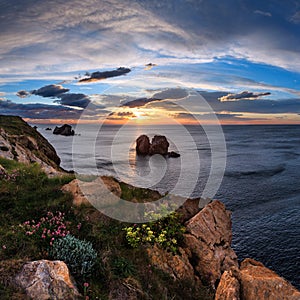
33	194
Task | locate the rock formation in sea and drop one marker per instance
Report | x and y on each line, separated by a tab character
159	145
64	130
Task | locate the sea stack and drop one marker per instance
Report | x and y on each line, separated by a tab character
158	145
64	130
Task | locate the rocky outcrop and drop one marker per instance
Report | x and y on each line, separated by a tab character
208	242
254	281
21	142
206	251
228	288
158	145
64	130
82	191
143	145
44	279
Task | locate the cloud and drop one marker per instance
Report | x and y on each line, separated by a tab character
72	99
95	76
23	94
167	94
121	115
296	17
38	111
243	96
263	13
52	90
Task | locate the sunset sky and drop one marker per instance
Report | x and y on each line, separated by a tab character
151	61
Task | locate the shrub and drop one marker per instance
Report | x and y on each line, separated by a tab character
122	267
166	232
77	254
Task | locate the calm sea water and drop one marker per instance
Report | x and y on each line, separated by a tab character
261	183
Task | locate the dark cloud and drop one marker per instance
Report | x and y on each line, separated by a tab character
23	94
139	102
121	115
70	99
38	111
208	116
168	94
249	106
106	74
52	90
242	96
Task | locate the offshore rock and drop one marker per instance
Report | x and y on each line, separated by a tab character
44	279
143	145
64	130
159	145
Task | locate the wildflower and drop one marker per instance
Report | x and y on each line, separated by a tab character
86	284
4	247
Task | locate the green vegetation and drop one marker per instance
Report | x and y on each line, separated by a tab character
77	254
29	204
166	232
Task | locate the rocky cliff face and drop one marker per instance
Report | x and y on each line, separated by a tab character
21	142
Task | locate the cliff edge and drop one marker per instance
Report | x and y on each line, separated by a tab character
21	142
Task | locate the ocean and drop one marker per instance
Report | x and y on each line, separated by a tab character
260	184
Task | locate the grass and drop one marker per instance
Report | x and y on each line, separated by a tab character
119	267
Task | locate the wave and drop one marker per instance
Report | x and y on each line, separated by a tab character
256	173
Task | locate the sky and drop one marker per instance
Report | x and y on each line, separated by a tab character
146	62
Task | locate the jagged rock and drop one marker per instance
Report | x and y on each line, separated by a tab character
48	128
64	130
84	191
143	145
159	145
259	282
188	209
208	242
44	279
228	288
21	142
177	266
173	154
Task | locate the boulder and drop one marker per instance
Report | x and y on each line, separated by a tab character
64	130
208	242
143	145
44	279
259	282
228	288
48	128
159	145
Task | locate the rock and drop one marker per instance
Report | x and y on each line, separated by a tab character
143	145
173	154
44	279
228	288
177	266
159	145
208	242
188	209
259	282
48	128
84	191
64	130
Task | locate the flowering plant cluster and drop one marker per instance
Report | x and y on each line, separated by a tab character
166	232
48	228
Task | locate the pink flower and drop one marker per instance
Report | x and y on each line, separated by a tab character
4	247
86	284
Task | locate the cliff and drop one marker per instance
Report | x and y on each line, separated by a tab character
20	142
